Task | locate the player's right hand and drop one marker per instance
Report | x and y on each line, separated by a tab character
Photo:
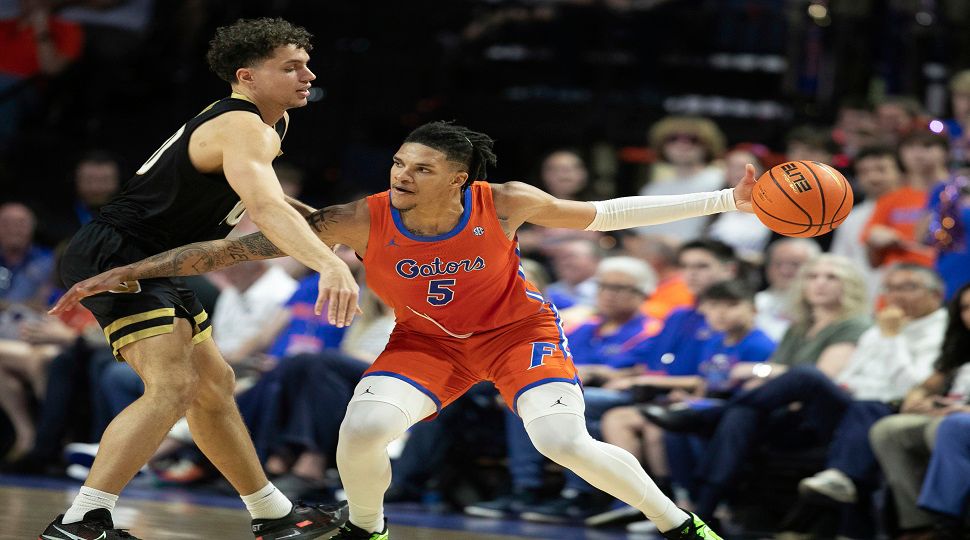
339	292
105	281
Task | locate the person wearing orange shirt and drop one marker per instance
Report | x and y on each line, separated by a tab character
890	234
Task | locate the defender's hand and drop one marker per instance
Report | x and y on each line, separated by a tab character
100	283
339	291
742	191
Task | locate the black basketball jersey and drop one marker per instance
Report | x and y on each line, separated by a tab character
168	203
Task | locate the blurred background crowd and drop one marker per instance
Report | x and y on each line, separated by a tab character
812	387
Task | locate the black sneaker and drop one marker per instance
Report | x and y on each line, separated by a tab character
504	506
304	522
352	532
96	525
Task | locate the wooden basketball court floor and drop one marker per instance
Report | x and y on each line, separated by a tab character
27	504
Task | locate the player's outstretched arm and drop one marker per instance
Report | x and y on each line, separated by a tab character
522	203
340	224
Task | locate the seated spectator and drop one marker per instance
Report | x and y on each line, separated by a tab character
563	174
946	491
897	117
784	260
688	148
574	264
605	348
829	318
25	268
877	173
890	234
729	310
97	177
40	366
256	291
671	292
902	442
809	143
676	351
891	358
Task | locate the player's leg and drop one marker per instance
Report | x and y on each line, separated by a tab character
553	414
163	364
382	409
217	428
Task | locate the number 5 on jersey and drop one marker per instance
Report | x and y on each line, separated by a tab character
438	292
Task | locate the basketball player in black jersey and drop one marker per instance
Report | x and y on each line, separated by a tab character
195	187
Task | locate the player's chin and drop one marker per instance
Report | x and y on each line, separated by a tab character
401	205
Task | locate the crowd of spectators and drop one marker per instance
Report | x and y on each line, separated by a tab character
707	347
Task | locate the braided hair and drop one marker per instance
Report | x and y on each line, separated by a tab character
459	144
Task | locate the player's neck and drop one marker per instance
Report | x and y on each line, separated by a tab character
269	113
432	219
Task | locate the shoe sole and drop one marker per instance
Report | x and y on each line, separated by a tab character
303	534
817	495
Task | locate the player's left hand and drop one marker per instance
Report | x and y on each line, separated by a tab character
744	189
105	281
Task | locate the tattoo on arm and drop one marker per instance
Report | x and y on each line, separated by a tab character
322	221
202	257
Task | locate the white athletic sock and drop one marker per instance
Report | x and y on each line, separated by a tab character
267	503
89	499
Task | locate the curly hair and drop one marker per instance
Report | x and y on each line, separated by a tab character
472	149
247	41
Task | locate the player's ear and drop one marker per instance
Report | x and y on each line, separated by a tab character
244	75
460	179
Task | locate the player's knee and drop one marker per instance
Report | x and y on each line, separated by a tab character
564	446
216	388
371	424
176	392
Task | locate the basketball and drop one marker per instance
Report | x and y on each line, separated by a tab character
802	198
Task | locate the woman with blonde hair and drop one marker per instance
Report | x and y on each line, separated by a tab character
829	303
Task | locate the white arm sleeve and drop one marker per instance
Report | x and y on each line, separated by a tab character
628	212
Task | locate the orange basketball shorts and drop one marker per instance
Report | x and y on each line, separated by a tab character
515	358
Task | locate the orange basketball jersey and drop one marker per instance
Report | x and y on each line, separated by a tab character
459	283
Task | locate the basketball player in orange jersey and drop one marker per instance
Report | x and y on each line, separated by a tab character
441	250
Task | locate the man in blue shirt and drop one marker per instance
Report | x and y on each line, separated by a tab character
25	269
